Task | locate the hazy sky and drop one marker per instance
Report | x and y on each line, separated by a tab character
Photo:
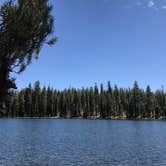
101	40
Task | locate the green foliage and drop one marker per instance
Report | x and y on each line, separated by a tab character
93	102
25	26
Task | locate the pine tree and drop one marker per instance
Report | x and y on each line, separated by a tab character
109	102
88	103
25	26
96	99
149	103
21	104
116	101
50	98
103	112
15	106
36	98
28	101
43	104
136	100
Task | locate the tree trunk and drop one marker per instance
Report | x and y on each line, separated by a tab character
4	75
5	82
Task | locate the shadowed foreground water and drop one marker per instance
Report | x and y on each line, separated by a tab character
49	142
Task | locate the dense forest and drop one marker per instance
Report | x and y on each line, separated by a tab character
94	102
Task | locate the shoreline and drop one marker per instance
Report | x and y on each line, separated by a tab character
89	118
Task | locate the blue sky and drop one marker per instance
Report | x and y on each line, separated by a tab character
100	40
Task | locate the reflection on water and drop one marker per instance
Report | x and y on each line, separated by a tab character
49	142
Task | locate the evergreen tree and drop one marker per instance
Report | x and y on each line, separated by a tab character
103	112
149	103
28	101
109	98
136	100
36	98
50	99
15	106
25	26
43	104
21	104
96	100
117	103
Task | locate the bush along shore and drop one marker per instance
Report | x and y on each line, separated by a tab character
91	103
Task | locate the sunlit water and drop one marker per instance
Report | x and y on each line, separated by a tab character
49	142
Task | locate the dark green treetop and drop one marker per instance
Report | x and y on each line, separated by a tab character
25	25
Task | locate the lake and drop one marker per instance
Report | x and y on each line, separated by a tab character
58	142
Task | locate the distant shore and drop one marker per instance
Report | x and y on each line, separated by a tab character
81	118
86	103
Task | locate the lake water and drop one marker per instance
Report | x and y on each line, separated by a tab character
51	142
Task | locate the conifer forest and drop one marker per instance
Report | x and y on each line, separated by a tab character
94	103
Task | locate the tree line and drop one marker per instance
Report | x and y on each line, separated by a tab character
93	102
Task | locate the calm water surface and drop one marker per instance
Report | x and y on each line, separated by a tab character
49	142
